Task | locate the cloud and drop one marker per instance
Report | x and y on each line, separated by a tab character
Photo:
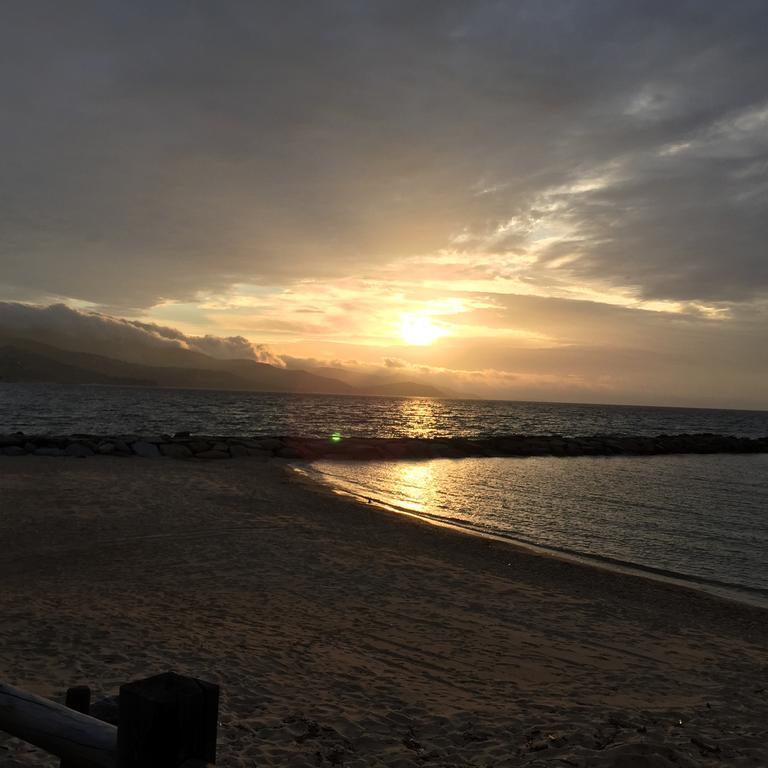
221	347
587	351
603	353
59	324
158	152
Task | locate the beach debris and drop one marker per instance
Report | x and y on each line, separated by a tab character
411	743
538	746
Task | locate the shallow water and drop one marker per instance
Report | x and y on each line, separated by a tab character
701	518
45	408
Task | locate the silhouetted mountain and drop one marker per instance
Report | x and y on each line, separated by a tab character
386	384
19	365
404	389
25	360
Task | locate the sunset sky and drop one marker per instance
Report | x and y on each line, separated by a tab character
534	200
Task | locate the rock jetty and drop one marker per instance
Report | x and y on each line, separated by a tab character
184	445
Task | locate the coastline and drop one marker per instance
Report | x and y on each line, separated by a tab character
358	635
753	597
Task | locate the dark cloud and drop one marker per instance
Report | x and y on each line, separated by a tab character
156	150
82	331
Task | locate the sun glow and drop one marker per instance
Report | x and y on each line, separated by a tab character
420	330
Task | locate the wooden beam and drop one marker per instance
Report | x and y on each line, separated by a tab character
166	721
72	736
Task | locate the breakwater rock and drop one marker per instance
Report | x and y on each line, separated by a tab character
183	445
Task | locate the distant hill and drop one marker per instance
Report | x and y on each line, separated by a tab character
23	360
404	389
21	365
33	361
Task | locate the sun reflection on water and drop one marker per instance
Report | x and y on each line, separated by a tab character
411	484
420	416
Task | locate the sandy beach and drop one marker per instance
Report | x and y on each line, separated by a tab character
346	635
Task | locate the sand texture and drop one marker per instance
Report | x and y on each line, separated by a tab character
345	635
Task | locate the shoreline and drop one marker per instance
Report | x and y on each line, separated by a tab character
733	593
341	633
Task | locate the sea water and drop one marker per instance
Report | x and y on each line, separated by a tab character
700	519
45	408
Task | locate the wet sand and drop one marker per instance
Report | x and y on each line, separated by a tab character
345	635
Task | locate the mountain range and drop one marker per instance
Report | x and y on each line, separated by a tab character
27	360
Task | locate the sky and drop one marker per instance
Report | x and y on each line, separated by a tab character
548	200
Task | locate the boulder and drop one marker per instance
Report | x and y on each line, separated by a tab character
269	443
121	448
48	451
239	450
212	454
175	451
288	452
255	453
78	450
145	450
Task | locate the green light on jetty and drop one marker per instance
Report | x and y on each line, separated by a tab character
336	437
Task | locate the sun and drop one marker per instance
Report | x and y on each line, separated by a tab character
419	330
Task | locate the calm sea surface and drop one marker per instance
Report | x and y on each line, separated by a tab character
703	519
43	408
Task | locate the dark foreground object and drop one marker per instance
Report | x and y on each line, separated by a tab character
166	721
186	446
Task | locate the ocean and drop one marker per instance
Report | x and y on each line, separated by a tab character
702	520
52	409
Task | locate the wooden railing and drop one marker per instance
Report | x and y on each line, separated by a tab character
166	721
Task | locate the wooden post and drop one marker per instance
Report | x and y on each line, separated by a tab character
166	721
79	699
